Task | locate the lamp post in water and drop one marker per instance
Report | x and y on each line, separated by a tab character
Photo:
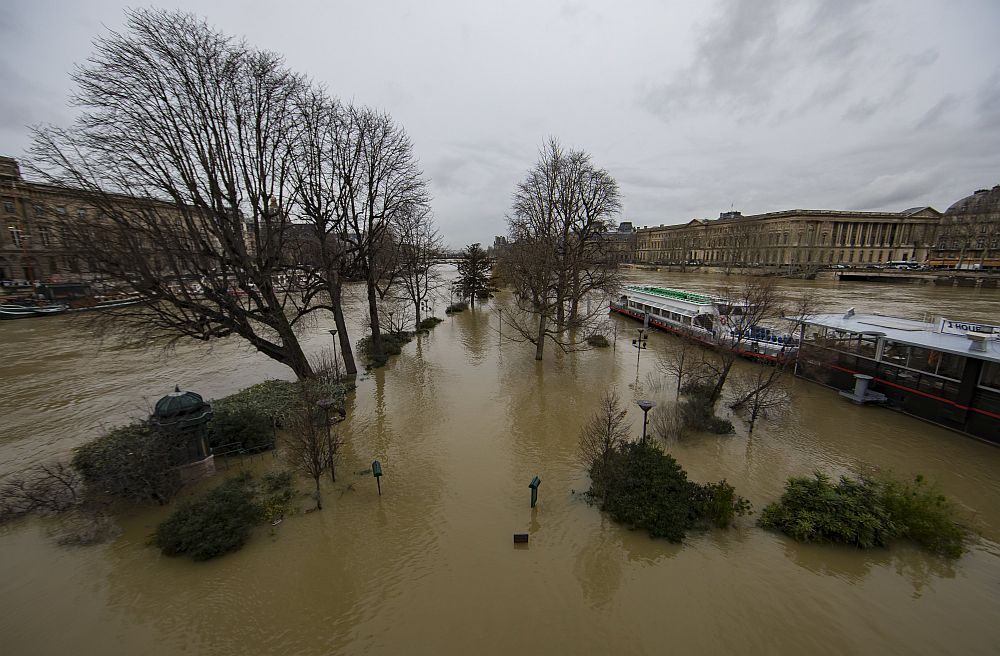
639	344
646	407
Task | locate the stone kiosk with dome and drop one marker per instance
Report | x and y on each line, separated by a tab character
186	414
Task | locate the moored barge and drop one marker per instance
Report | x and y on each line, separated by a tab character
710	320
946	372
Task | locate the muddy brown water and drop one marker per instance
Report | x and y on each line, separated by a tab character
461	424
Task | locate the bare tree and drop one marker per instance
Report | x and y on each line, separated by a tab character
49	487
556	259
317	178
380	185
683	362
310	445
605	431
763	390
174	111
420	245
744	308
759	392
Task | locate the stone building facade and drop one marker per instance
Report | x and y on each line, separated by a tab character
969	235
35	218
799	239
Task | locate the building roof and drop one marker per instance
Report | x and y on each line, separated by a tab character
674	294
984	201
908	331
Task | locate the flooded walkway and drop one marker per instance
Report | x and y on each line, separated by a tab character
461	424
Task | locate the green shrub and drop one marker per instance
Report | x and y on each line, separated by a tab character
273	399
697	413
598	341
428	323
717	504
132	462
392	344
214	525
647	488
698	389
816	510
245	426
867	513
461	306
924	515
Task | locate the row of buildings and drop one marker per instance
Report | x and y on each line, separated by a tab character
966	235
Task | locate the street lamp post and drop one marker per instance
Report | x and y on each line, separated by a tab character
639	344
646	407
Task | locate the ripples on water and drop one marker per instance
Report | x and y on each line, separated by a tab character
461	425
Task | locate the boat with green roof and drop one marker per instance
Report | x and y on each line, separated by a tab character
704	318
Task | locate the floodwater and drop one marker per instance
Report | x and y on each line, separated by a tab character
461	424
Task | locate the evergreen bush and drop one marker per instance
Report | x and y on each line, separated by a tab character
428	323
214	525
598	341
221	521
866	513
246	427
646	488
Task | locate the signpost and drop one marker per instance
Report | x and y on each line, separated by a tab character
950	327
535	482
377	473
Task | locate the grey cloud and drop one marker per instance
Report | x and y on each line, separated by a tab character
907	69
753	48
933	116
892	190
988	100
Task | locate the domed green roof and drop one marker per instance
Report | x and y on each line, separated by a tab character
178	403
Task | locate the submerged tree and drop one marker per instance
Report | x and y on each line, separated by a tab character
419	246
473	274
380	186
604	433
173	111
310	444
557	260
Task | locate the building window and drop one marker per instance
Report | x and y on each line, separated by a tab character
39	210
81	214
43	235
16	235
61	209
8	205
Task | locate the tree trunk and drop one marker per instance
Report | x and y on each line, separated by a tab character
717	392
373	315
296	359
540	342
319	499
350	366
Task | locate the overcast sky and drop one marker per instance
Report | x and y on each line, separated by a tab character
694	107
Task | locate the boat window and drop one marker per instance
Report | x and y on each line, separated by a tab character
866	346
990	378
951	366
923	359
894	353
